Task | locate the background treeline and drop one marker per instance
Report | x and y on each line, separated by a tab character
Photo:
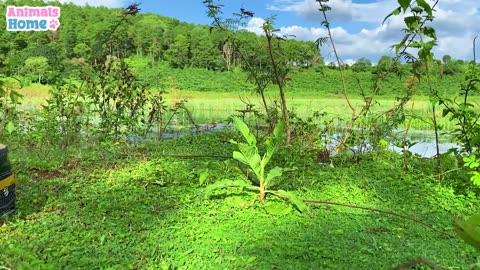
165	52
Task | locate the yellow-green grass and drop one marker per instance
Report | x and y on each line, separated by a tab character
211	107
207	107
34	95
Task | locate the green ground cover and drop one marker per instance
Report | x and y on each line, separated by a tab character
142	208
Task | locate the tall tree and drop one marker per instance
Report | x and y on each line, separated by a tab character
362	65
178	53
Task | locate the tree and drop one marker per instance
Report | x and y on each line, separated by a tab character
362	65
446	58
202	50
81	50
331	65
154	50
35	66
384	63
178	53
451	66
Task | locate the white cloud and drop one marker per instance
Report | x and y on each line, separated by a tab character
255	25
340	9
456	22
106	3
349	46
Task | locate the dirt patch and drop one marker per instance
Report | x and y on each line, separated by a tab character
42	174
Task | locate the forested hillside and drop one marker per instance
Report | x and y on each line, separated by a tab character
164	50
158	38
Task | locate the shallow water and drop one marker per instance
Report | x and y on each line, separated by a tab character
425	143
424	139
200	128
427	149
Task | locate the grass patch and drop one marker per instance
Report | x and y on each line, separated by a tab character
211	107
137	207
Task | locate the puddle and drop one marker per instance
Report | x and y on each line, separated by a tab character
194	130
427	149
425	143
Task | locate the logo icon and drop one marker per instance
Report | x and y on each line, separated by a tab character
32	18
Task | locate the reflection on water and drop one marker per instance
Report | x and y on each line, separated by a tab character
425	143
427	149
424	139
195	130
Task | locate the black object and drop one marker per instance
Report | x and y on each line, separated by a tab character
7	183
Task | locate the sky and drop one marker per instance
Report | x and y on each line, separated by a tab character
356	25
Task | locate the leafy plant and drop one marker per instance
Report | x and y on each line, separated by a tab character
421	38
248	154
463	112
364	129
273	69
9	100
65	116
469	230
118	98
473	163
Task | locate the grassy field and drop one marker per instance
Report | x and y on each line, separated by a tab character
136	207
209	107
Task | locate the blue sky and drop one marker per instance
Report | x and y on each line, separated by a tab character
356	24
195	12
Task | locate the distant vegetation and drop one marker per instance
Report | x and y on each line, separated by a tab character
164	51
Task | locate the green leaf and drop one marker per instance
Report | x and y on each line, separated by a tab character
278	131
475	140
445	112
469	230
243	128
248	155
402	43
271	147
429	45
15	96
202	177
471	161
227	183
275	172
237	201
412	22
393	13
275	208
299	204
383	143
415	44
417	10
429	32
425	6
273	143
433	100
475	178
404	4
10	128
240	157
